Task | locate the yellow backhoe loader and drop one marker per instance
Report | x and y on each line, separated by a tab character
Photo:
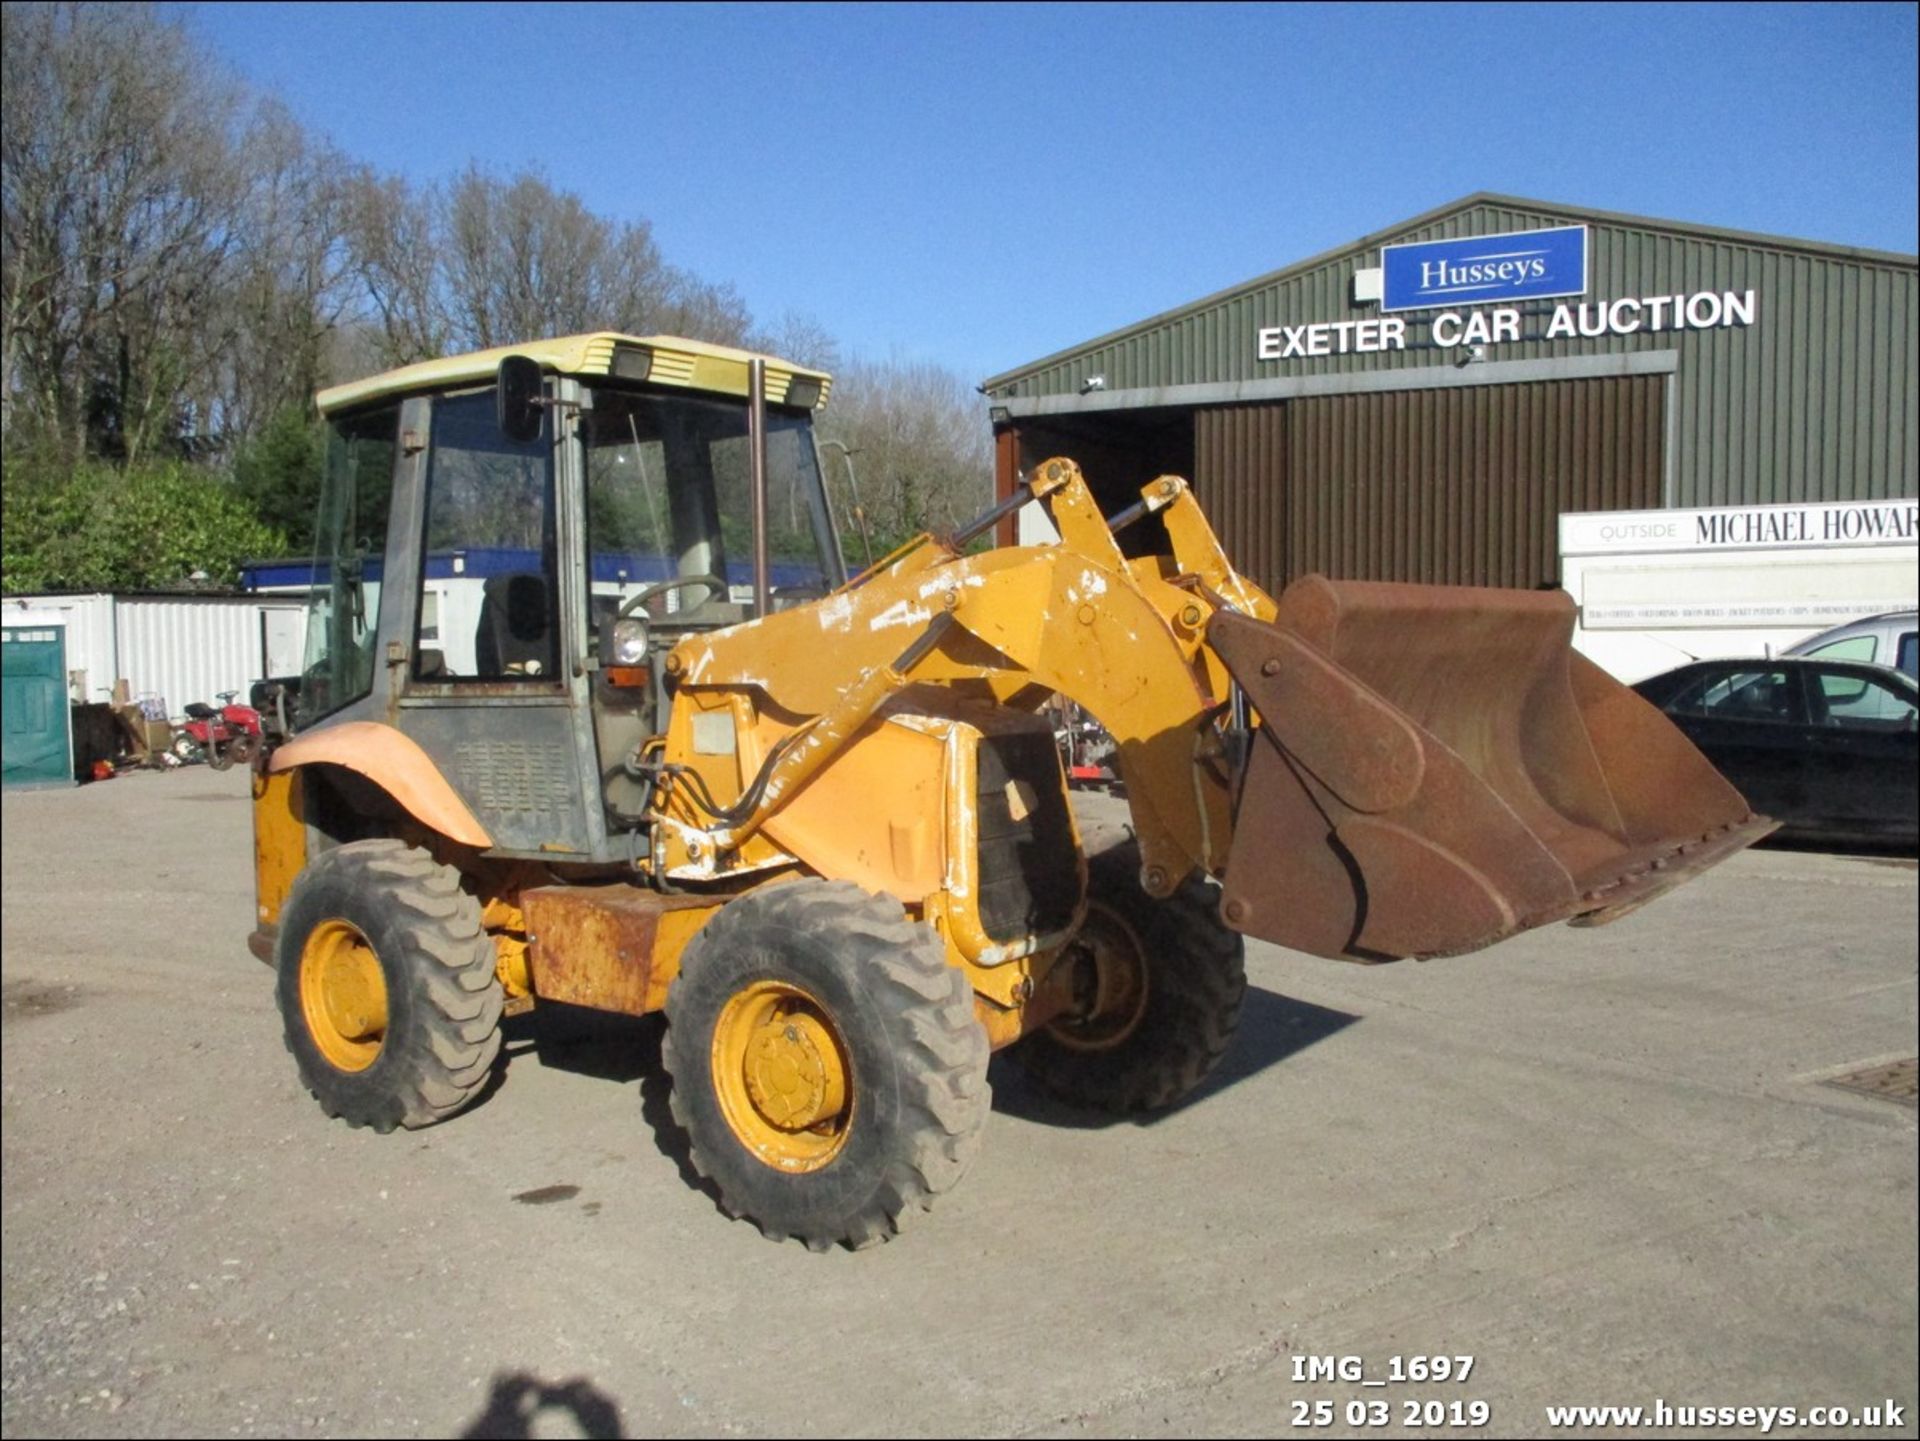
591	714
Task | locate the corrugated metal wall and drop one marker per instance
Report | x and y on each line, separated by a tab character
1242	480
179	648
188	650
1459	487
1819	399
89	639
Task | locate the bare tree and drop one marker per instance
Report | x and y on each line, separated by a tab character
800	338
701	310
520	259
919	440
119	185
394	246
290	285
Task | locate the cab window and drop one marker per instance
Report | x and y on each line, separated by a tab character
487	604
668	501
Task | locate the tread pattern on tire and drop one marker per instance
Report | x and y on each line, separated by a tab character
938	1055
444	1034
1197	983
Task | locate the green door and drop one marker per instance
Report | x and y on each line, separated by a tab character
36	747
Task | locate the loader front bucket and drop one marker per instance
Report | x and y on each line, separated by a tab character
1437	769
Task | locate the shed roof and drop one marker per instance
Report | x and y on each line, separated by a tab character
1547	210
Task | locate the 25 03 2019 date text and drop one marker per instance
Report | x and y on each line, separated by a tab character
1411	1415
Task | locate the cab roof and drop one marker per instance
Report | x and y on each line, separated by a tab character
690	364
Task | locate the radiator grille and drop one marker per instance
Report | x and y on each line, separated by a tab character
523	777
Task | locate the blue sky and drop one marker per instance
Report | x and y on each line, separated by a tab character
980	185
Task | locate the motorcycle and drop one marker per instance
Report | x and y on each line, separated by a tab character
228	736
1086	751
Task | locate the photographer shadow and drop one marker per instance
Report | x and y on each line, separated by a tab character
522	1406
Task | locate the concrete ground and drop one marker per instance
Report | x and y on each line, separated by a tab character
1603	1164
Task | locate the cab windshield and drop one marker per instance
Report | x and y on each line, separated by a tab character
669	499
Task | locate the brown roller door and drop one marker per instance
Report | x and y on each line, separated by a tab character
1456	486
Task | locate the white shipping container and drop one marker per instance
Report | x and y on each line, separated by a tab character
177	648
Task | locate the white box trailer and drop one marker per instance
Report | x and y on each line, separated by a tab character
175	648
1657	588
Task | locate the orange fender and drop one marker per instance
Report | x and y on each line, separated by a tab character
397	765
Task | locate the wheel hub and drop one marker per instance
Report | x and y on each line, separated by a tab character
781	1076
1109	984
343	994
793	1075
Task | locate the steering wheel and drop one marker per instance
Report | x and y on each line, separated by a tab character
713	583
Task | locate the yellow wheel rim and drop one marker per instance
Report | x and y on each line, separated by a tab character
780	1072
1109	984
343	994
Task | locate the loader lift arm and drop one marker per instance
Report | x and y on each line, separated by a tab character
1435	768
1124	639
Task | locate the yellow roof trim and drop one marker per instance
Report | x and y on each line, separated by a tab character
693	364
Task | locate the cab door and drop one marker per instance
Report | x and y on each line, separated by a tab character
490	690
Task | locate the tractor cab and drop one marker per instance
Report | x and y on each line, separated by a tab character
509	540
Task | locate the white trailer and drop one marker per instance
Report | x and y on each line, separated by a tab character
1657	588
173	648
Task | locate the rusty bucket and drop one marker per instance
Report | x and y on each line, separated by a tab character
1436	769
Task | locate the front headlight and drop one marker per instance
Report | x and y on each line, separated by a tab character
629	646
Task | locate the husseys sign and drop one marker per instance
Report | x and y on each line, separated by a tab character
1494	275
1530	265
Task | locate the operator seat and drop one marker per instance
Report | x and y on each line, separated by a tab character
515	635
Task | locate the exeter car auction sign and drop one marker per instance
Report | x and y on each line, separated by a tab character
1482	290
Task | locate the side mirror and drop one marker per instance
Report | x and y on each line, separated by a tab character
517	398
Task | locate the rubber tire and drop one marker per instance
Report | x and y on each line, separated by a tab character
443	998
243	748
1196	982
186	749
219	756
917	1058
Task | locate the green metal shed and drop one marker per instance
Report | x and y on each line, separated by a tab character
36	727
